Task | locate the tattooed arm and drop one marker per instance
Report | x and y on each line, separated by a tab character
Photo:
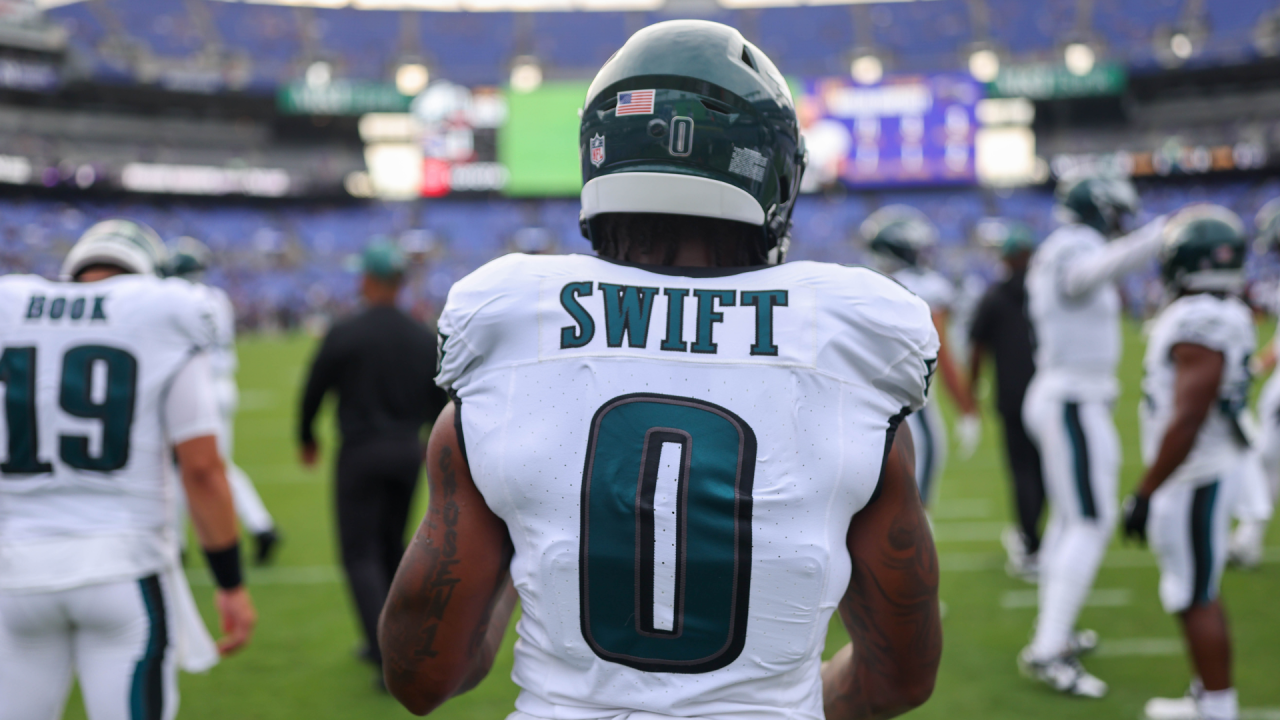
452	596
891	605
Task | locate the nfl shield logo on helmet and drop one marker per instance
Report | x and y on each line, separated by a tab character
597	150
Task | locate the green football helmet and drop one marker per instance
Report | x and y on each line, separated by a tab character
898	236
688	118
1204	250
1267	226
126	244
189	259
1008	237
1099	202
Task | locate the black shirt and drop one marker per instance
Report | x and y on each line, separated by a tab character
383	363
1002	327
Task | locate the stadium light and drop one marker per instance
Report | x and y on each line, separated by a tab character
411	78
867	70
526	75
984	65
1180	45
318	74
1079	59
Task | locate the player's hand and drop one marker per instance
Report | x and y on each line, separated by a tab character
968	434
235	609
1136	509
309	454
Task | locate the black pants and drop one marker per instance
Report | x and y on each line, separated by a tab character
1028	480
376	481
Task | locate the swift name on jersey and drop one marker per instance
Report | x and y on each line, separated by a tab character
727	324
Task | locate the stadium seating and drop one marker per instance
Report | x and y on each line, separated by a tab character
292	258
477	48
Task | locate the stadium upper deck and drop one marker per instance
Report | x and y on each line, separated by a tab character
259	46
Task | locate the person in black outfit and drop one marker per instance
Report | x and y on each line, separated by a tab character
1001	327
382	364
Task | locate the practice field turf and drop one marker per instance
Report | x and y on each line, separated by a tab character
301	663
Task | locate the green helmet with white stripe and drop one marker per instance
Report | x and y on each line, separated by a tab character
1267	226
189	259
689	118
899	236
1204	250
1102	203
128	245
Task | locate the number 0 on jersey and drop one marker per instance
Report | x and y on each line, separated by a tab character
665	565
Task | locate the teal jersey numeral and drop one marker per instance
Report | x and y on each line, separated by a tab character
114	410
710	457
18	373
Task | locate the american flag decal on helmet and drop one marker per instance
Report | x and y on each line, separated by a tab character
635	102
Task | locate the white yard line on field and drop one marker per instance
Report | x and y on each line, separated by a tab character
1140	647
284	575
1119	558
1100	597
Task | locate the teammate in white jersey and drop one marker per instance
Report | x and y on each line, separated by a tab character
1195	385
189	260
104	379
1075	312
1260	475
901	238
681	455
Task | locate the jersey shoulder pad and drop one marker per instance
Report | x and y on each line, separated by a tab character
488	306
1217	323
879	331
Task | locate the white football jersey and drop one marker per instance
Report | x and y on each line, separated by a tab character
677	454
1079	335
222	359
1222	324
85	489
929	285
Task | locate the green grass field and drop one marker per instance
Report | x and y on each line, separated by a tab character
301	664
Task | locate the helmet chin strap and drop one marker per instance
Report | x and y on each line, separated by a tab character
778	253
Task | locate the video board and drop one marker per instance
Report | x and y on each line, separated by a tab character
908	130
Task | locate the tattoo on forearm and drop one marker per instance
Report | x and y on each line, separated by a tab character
908	562
435	589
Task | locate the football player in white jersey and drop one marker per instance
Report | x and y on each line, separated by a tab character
1075	312
681	454
189	259
1195	385
105	379
900	239
1260	476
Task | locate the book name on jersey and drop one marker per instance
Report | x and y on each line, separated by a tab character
719	324
84	308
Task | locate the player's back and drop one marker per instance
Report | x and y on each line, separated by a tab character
85	371
1224	324
1076	335
677	456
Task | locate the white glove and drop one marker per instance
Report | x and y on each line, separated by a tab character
968	434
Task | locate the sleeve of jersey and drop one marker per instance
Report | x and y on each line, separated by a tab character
471	322
190	408
195	315
888	338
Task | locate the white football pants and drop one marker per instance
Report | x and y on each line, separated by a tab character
1080	454
115	637
250	509
1260	475
1188	529
929	434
